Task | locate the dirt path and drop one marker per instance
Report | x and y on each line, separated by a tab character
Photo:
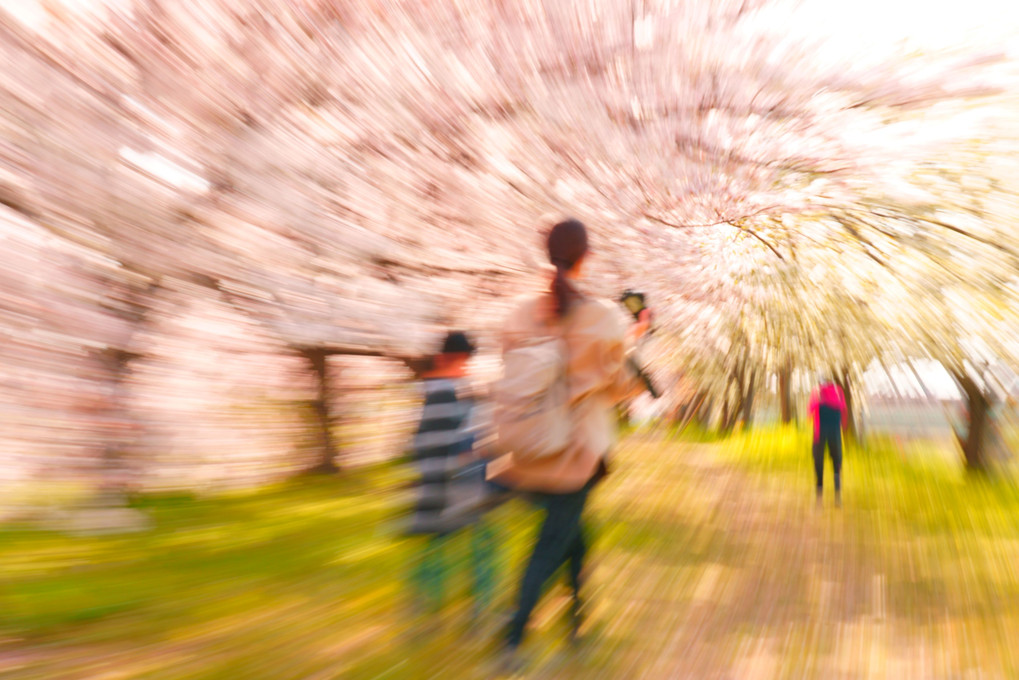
707	571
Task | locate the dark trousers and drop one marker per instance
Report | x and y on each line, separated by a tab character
560	540
832	438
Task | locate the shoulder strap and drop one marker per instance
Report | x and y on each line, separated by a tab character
564	325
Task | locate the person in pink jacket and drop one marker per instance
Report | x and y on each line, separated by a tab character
828	412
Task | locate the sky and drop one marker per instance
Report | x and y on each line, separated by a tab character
872	28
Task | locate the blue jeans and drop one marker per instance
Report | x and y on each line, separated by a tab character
832	438
560	540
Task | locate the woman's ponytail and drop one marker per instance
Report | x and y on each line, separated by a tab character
567	244
562	291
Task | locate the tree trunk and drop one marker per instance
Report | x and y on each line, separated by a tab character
976	440
785	379
318	359
690	410
891	379
843	380
748	402
733	409
735	398
974	446
736	413
723	424
923	386
118	428
703	413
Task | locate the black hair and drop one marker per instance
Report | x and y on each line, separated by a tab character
567	243
457	342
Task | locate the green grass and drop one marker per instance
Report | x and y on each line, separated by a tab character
709	559
256	585
921	483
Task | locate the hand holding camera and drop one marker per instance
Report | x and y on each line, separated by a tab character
642	325
635	303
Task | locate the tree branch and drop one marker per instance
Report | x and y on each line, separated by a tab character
760	238
732	223
892	214
869	246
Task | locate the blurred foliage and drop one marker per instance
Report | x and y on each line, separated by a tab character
205	194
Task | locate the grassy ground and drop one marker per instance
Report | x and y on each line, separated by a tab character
710	560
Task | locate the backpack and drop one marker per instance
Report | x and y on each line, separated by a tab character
531	415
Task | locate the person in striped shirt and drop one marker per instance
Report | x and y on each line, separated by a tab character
451	488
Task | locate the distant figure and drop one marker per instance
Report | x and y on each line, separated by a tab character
828	410
595	341
451	490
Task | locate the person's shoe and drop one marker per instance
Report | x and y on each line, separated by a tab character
576	621
573	637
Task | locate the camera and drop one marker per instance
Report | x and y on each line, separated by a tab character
634	303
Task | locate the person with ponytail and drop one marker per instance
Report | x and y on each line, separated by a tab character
597	340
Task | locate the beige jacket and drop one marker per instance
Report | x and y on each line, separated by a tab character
598	378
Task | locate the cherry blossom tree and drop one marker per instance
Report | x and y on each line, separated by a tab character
353	180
